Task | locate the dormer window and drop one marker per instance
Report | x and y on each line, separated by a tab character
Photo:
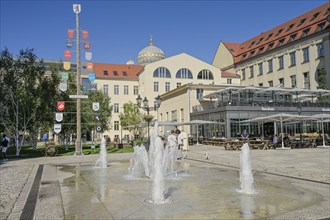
320	26
292	37
280	31
244	56
301	22
269	36
315	16
270	46
305	32
251	44
290	27
105	72
115	73
124	73
280	42
260	40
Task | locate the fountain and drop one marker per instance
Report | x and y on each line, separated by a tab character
245	174
102	161
139	162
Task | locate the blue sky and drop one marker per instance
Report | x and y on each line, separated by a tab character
118	30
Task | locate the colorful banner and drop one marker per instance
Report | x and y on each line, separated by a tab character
66	65
69	43
89	66
96	106
59	116
65	76
91	77
60	106
93	87
70	33
63	86
88	56
57	128
85	34
67	54
87	45
98	128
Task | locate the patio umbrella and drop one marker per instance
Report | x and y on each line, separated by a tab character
278	118
322	118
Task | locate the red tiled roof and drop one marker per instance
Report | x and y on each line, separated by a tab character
232	47
284	31
117	71
229	75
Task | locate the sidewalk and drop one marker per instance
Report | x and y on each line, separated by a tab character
17	176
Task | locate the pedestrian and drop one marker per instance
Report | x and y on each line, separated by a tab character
4	144
275	139
179	155
245	135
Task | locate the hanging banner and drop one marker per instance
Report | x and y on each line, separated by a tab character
57	128
60	106
97	117
69	43
67	54
91	77
65	76
59	117
98	128
66	65
63	86
76	8
96	106
70	33
84	34
87	45
89	66
93	87
88	56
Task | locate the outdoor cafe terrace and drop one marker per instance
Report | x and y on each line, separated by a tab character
265	97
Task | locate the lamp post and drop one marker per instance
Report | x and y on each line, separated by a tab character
147	108
299	113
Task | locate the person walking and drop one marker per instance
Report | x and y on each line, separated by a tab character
4	145
245	135
179	140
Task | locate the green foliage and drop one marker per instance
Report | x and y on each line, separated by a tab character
131	115
322	79
88	114
322	82
29	152
132	118
27	93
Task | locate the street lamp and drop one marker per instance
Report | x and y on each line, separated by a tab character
299	113
147	108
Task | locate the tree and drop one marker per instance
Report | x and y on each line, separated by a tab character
26	92
132	118
322	81
88	122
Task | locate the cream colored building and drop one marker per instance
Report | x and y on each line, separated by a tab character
120	83
289	55
156	75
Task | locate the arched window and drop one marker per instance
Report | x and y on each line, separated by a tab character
205	74
162	72
184	73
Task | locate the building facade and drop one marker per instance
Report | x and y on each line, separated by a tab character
289	55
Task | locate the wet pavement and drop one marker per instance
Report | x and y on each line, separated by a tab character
291	184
